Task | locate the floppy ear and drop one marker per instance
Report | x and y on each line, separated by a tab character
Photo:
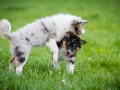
83	42
76	23
79	23
84	21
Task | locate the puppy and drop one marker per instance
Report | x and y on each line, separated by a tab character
68	48
45	31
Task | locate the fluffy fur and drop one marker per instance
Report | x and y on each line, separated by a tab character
48	31
68	48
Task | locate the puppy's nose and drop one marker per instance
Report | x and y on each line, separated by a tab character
68	52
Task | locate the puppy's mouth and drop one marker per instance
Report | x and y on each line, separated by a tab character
67	55
70	55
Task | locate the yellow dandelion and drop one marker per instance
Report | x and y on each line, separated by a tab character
101	50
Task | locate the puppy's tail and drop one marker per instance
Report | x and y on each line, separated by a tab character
5	28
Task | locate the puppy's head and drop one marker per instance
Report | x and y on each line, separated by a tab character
77	26
72	43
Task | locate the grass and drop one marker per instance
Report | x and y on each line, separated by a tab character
97	65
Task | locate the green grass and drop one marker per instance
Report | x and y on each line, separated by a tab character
97	66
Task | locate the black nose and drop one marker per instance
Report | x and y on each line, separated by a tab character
68	52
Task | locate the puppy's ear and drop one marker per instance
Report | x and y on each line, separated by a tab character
83	42
84	22
76	23
79	23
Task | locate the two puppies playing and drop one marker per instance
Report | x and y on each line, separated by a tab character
48	31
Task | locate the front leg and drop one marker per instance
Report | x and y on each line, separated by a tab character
51	44
55	65
70	65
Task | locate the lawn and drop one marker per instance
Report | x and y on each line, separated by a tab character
97	65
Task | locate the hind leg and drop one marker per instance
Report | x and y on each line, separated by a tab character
19	62
19	67
21	57
11	64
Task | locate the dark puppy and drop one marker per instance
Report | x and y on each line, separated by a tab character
68	48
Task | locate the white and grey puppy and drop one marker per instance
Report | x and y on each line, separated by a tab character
48	31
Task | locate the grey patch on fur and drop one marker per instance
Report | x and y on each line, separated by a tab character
27	39
19	54
21	59
45	28
32	34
